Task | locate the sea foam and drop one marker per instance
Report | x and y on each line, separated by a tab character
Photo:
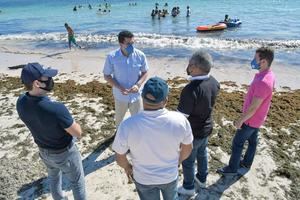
163	41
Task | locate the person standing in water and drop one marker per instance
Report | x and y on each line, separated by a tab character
188	11
71	37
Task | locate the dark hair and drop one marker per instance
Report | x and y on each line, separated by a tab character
28	86
124	34
266	53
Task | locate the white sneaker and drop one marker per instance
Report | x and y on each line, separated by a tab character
182	190
199	183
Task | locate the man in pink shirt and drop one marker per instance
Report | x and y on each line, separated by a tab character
256	107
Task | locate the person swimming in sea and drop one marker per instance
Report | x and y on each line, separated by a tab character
156	10
153	13
174	12
165	11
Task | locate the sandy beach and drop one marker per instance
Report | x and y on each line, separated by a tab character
80	85
90	63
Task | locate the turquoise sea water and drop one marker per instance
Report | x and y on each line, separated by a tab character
268	22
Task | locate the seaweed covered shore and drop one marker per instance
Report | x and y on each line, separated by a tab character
92	106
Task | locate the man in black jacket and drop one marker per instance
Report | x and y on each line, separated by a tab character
197	100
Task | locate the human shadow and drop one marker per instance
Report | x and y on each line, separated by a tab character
216	190
40	187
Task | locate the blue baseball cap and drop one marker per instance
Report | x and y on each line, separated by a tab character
157	88
34	71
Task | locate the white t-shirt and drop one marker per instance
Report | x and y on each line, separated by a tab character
154	138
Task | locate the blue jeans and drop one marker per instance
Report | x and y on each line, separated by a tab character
245	133
200	152
69	162
152	192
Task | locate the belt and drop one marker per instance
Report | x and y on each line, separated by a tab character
57	151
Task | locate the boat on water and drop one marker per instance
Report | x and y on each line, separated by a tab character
213	27
232	23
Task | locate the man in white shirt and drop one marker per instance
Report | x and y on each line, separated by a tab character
158	141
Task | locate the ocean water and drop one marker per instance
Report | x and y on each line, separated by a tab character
265	23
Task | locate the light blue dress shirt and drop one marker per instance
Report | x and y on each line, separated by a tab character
126	71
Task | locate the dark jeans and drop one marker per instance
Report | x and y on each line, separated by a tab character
199	152
245	133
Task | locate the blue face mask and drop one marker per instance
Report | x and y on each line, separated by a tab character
129	49
255	65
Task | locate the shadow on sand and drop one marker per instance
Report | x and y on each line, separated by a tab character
40	187
216	190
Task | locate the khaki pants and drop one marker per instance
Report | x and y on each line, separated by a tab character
121	108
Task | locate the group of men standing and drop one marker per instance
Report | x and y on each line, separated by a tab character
156	140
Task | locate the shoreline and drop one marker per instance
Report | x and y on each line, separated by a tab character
90	62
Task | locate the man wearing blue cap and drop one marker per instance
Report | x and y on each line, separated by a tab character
53	129
126	69
158	140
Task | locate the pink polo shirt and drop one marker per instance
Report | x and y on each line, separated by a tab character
261	87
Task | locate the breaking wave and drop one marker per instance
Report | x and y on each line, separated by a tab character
163	41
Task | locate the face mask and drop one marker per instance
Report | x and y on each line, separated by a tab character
255	65
49	84
129	49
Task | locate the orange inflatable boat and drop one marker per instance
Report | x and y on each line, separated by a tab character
215	27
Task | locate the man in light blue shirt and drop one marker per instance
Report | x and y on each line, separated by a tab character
125	69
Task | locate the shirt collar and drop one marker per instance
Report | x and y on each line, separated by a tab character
34	97
119	53
263	72
203	77
154	112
